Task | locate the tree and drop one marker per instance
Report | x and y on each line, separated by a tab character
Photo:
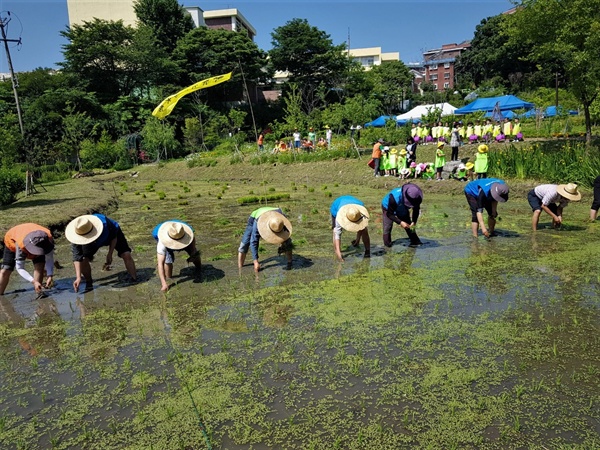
205	52
565	32
167	19
310	57
114	60
493	54
391	83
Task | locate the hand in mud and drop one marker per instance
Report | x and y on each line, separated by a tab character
486	233
164	288
49	282
76	284
405	225
37	286
108	263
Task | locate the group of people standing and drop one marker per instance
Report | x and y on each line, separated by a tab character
473	132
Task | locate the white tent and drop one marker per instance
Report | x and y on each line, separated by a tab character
421	110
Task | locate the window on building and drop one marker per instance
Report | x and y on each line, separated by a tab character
435	87
433	67
446	85
369	61
446	76
447	65
433	77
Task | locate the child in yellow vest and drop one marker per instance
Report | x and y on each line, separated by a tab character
481	161
440	161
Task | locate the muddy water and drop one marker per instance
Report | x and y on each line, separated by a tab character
460	343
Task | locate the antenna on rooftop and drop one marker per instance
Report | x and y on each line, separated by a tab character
348	39
4	21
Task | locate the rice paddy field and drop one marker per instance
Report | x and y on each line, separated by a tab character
462	343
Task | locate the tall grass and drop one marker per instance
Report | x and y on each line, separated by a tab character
553	162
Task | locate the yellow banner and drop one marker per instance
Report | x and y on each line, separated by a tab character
168	104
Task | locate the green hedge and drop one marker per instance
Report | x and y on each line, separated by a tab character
11	183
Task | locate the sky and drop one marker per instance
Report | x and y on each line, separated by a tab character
405	26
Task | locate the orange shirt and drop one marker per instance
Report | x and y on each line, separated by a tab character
260	139
15	236
376	150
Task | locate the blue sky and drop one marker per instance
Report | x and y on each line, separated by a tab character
407	27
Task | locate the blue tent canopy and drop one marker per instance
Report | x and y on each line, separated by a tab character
505	103
379	122
550	111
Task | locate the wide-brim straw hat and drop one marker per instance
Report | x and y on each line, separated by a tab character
84	229
394	151
499	192
569	191
440	144
353	217
274	227
175	235
482	148
403	152
469	166
38	243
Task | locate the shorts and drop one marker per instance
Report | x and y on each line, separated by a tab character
439	169
297	144
536	203
9	259
472	201
88	251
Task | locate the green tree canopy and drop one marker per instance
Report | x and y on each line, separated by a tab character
206	52
113	60
494	56
167	19
563	34
310	57
391	84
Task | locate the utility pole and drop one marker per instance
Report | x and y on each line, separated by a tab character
3	23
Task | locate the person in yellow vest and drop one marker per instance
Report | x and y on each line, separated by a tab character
393	162
517	135
481	161
418	132
507	128
478	130
23	242
461	131
440	161
487	131
414	130
425	134
434	132
402	160
496	130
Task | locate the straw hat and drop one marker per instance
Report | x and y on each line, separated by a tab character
440	145
327	127
274	227
353	217
569	191
499	192
482	148
84	229
175	235
469	166
38	243
394	150
403	152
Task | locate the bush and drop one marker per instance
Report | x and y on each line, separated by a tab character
11	183
104	154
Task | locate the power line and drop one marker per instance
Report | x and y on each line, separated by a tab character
3	25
